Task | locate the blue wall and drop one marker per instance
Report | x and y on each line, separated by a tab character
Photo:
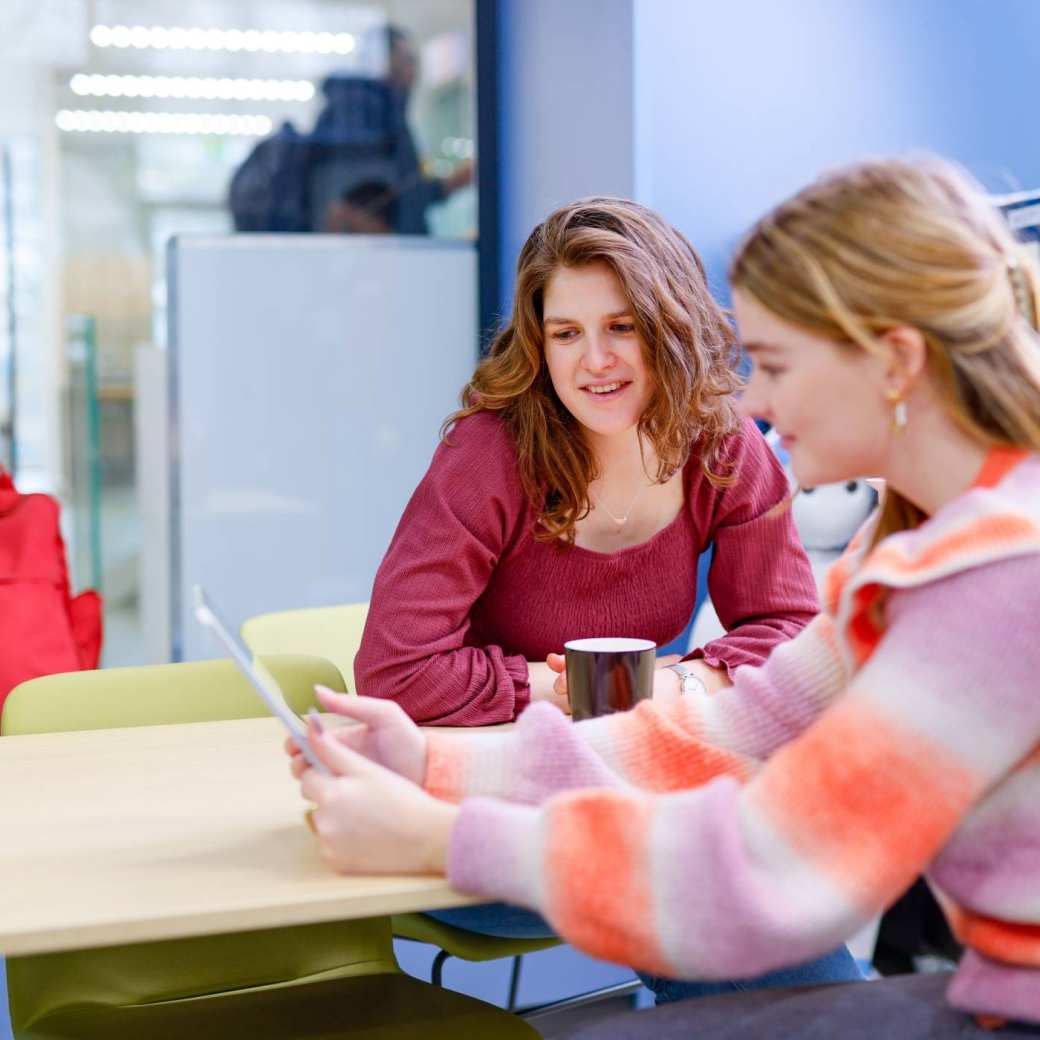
740	103
565	112
713	112
737	104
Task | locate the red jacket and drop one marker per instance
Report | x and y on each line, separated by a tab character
43	629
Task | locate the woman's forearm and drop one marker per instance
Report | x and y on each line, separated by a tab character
441	821
714	679
667	683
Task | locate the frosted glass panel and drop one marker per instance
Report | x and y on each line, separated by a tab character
308	380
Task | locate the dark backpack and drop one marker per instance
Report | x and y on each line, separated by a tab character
289	179
270	191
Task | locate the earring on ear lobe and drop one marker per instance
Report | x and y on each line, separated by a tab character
898	409
899	415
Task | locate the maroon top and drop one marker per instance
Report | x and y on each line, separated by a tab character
465	596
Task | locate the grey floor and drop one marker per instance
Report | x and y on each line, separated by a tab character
561	1024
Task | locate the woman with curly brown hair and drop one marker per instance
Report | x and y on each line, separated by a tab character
598	453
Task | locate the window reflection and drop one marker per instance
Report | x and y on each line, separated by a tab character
359	169
165	105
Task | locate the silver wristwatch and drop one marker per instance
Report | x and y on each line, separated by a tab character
689	680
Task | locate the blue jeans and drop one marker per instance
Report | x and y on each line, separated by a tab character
498	919
837	966
511	922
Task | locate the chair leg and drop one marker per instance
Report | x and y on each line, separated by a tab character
514	983
619	989
438	966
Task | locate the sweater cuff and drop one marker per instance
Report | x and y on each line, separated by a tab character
516	669
467	763
495	851
712	659
445	766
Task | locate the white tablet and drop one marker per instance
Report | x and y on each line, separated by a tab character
261	679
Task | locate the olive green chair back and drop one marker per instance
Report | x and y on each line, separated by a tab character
268	983
114	698
330	632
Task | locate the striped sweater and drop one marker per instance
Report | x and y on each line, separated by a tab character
727	835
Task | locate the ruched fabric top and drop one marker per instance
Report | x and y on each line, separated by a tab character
466	595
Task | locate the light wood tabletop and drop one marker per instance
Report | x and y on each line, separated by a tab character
162	832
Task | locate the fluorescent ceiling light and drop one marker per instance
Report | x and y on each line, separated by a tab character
208	123
175	38
192	87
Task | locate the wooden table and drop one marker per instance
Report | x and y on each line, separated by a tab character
161	832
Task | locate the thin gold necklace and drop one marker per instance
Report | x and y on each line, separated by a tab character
619	520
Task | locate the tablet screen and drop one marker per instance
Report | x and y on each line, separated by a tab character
261	679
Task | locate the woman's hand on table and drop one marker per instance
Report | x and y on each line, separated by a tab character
369	820
666	684
557	664
385	734
545	683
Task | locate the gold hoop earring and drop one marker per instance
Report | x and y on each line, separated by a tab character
899	413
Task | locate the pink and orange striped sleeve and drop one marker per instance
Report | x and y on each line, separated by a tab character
656	747
731	880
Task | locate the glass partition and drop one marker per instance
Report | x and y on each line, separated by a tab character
24	412
184	117
8	327
82	454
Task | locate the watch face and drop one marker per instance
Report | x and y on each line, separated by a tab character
693	683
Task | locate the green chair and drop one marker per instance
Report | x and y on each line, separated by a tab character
468	946
115	698
335	634
330	632
329	980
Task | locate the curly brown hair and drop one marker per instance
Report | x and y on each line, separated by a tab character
688	343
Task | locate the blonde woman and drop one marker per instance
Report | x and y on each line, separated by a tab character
892	321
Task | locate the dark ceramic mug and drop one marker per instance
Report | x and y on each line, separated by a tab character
608	674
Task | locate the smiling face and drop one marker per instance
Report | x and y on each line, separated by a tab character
826	399
594	355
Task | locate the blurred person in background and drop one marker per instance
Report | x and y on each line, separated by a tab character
299	182
416	192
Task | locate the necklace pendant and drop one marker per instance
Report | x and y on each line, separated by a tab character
619	521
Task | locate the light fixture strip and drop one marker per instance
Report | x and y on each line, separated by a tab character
207	123
224	89
175	38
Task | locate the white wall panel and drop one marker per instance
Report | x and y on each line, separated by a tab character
308	380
